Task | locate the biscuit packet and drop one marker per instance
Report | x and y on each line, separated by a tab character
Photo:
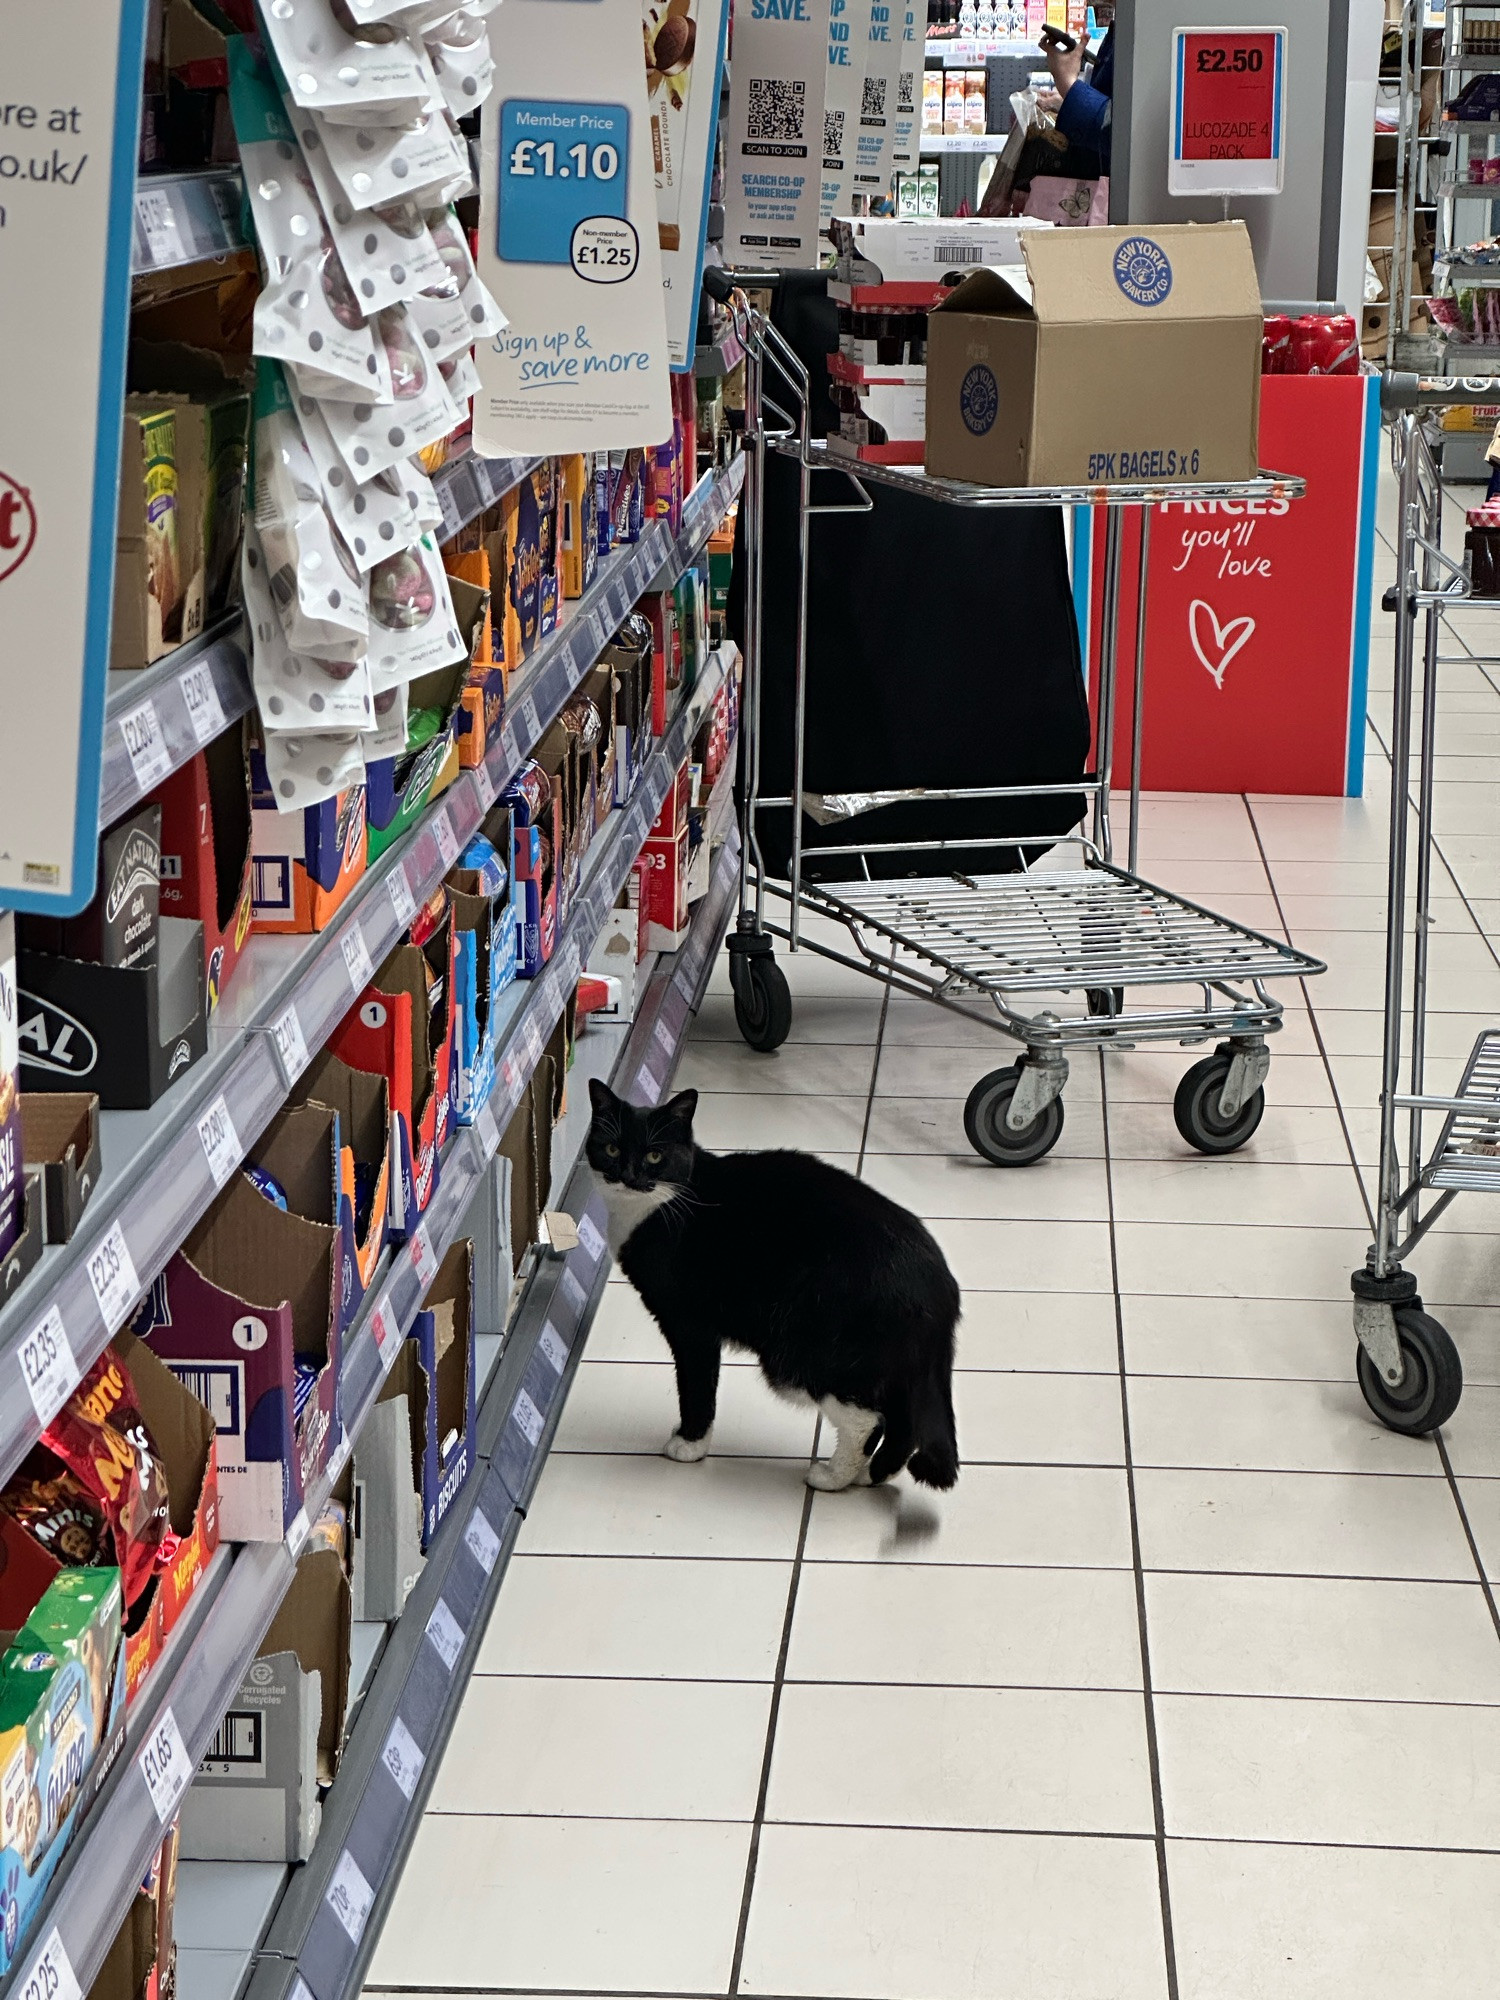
307	311
413	626
387	253
316	588
459	51
303	770
371	436
347	65
101	1437
292	690
374	517
376	165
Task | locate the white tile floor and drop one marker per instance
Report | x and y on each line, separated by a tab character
1191	1688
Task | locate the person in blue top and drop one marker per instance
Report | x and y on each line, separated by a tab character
1084	105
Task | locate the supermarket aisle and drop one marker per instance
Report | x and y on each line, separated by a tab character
1192	1686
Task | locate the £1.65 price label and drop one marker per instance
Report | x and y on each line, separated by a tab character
563	189
166	1766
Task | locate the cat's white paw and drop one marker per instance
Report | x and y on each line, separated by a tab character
825	1477
687	1451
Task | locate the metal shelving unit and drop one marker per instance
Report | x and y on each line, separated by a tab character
157	1178
373	1810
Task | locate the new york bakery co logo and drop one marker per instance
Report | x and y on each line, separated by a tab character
1143	271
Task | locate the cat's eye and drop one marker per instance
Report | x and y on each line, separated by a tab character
653	1159
612	1152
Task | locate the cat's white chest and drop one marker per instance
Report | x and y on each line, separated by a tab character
627	1208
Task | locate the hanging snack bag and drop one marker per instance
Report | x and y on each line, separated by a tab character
101	1437
374	517
295	691
318	592
387	252
413	629
372	436
376	165
461	309
307	312
461	376
459	51
305	770
388	738
347	66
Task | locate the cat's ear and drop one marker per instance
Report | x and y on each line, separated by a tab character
678	1111
601	1096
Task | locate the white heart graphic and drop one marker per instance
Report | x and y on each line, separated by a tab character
1228	639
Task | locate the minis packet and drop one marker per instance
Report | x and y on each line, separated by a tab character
318	592
371	436
346	65
387	253
376	165
374	517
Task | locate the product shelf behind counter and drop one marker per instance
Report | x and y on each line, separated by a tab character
179	1709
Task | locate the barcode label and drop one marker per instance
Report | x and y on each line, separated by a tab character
403	1758
949	255
528	1418
482	1542
357	958
446	1634
350	1896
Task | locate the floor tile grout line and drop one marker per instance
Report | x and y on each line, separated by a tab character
864	1130
1463	1515
1153	1752
752	1856
1312	1015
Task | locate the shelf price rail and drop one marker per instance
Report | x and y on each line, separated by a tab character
163	1167
418	1687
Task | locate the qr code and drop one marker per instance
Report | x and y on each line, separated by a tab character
833	137
872	103
906	96
776	108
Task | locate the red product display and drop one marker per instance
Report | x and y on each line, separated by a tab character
1258	623
101	1436
1315	344
1276	345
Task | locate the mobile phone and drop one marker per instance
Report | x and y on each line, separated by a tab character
1055	38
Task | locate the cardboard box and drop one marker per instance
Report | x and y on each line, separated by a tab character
206	870
131	1961
120	927
255	1795
525	557
883	260
251	1288
401	788
485	941
673	817
22	1256
390	1032
666	891
126	1034
148	583
599	686
630	655
1163	324
386	1515
536	847
443	1336
60	1140
619	948
303	863
882	412
61	1729
580	527
362	1105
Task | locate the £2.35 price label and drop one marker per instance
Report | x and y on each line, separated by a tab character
563	183
47	1365
112	1275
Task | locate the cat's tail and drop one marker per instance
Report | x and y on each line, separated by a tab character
935	1460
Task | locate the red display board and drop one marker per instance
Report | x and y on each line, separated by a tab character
1228	106
1257	612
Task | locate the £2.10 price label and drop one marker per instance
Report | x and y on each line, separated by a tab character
563	187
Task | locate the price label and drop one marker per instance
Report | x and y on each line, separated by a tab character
201	699
662	1035
570	963
531	1035
647	1084
146	747
510	745
402	901
423	1257
1228	124
113	1278
531	722
339	1456
562	204
291	1044
165	1766
485	785
528	1418
446	1634
589	1237
453	520
403	1757
387	1332
572	1290
489	1132
296	1534
447	839
50	1975
551	1344
350	1896
160	231
357	958
47	1366
220	1141
482	1542
510	1076
484	480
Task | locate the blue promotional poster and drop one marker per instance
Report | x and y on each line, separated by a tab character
859	116
570	243
684	63
774	152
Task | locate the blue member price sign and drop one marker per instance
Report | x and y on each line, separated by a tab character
563	185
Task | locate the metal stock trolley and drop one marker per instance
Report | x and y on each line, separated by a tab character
1409	1368
1055	951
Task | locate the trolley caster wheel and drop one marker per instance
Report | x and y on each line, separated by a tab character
1432	1377
1001	1144
1196	1108
1106	1001
762	1001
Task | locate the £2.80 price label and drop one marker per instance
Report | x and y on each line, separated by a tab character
563	186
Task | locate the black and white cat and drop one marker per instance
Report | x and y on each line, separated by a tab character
843	1296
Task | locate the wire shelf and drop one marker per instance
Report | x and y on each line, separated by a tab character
1060	930
1467	1155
